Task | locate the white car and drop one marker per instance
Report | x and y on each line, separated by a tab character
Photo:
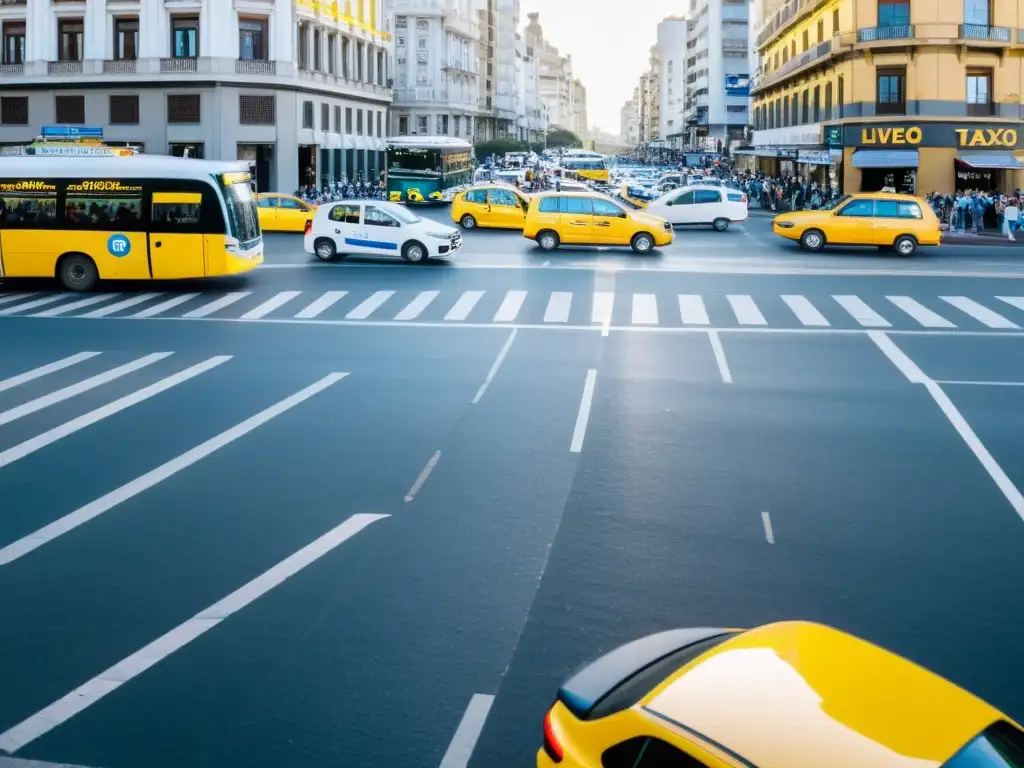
717	206
377	228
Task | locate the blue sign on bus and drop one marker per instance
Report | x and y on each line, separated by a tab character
72	132
119	246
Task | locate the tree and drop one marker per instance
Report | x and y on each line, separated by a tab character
560	137
498	147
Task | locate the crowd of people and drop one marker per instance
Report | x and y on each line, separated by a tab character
977	211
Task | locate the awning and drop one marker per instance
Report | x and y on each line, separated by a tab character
885	158
1000	160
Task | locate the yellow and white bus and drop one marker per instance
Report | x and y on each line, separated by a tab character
85	219
589	165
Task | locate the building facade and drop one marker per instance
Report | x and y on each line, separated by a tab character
555	78
533	122
629	124
918	95
301	91
579	110
671	52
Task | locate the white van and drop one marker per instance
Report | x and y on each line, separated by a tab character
377	228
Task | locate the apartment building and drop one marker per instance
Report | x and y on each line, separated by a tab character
555	79
629	124
532	121
671	53
916	95
300	91
579	113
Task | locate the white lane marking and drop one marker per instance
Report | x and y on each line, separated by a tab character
415	307
805	312
133	488
271	304
510	306
645	309
7	298
746	310
134	665
1013	301
218	304
604	302
723	364
861	312
164	306
76	389
692	310
37	443
45	370
494	368
460	750
64	309
321	305
431	463
580	431
464	305
13	762
117	306
558	307
766	520
898	357
979	312
920	313
547	264
370	305
962	383
41	302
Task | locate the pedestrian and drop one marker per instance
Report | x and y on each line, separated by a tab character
1011	215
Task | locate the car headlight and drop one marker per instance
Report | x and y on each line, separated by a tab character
440	235
784	224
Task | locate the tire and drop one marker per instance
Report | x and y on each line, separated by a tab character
812	240
325	249
905	245
548	240
415	252
77	272
467	222
642	243
720	225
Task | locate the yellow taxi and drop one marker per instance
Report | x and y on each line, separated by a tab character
786	695
283	213
581	218
490	205
889	221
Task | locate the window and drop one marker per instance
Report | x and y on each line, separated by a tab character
28	209
379	124
647	752
502	197
303	49
886	209
707	196
119	208
421	43
325	117
183	212
736	197
124	109
821	30
256	110
348	119
828	101
307	114
835	21
318	58
369	122
183	108
551	205
14	42
998	746
477	196
13	110
401	22
348	214
686	198
909	210
608	208
359	61
891	91
252	39
403	125
337	119
400	41
126	39
581	206
804	108
816	117
375	217
979	92
266	202
893	13
346	46
292	204
421	123
69	109
807	39
184	37
69	39
858	208
359	122
332	54
977	12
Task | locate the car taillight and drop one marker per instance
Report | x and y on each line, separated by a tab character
551	746
743	199
309	226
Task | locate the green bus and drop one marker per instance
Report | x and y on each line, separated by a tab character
425	169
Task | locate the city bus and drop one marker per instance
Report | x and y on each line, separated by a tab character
85	219
427	168
589	165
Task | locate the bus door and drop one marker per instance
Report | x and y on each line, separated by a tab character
176	244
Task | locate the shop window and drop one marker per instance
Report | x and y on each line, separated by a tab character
891	99
979	92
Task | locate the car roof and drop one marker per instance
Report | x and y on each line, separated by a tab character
886	196
803	695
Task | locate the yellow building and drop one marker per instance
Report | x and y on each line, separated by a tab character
920	95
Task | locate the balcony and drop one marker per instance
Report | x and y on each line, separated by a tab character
734	46
874	34
255	67
61	68
178	65
981	32
981	110
788	15
817	53
409	95
461	25
12	70
119	67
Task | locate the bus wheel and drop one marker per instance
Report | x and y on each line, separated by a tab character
77	272
414	252
325	250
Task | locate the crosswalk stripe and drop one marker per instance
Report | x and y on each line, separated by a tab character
510	306
164	306
692	310
7	299
64	309
746	310
41	302
321	305
558	307
979	312
271	304
45	370
1013	301
861	312
920	313
415	307
604	302
117	306
370	305
645	309
805	312
218	304
464	305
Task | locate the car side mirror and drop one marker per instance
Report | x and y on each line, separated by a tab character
669	202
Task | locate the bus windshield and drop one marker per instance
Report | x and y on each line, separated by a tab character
242	216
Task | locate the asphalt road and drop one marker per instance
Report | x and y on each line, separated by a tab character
371	515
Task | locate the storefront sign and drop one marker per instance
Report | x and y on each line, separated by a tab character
789	137
815	156
910	135
834	135
973	178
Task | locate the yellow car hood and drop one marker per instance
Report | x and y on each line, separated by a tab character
649	220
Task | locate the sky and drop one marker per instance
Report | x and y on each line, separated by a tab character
609	49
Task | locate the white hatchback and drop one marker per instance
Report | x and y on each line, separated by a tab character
377	228
717	206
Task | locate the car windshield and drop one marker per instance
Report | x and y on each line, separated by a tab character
833	204
403	215
998	746
243	220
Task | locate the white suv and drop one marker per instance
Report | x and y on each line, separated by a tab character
717	206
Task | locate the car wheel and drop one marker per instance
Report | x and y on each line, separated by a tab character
905	245
468	222
642	243
720	224
325	250
414	252
812	240
547	240
77	272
